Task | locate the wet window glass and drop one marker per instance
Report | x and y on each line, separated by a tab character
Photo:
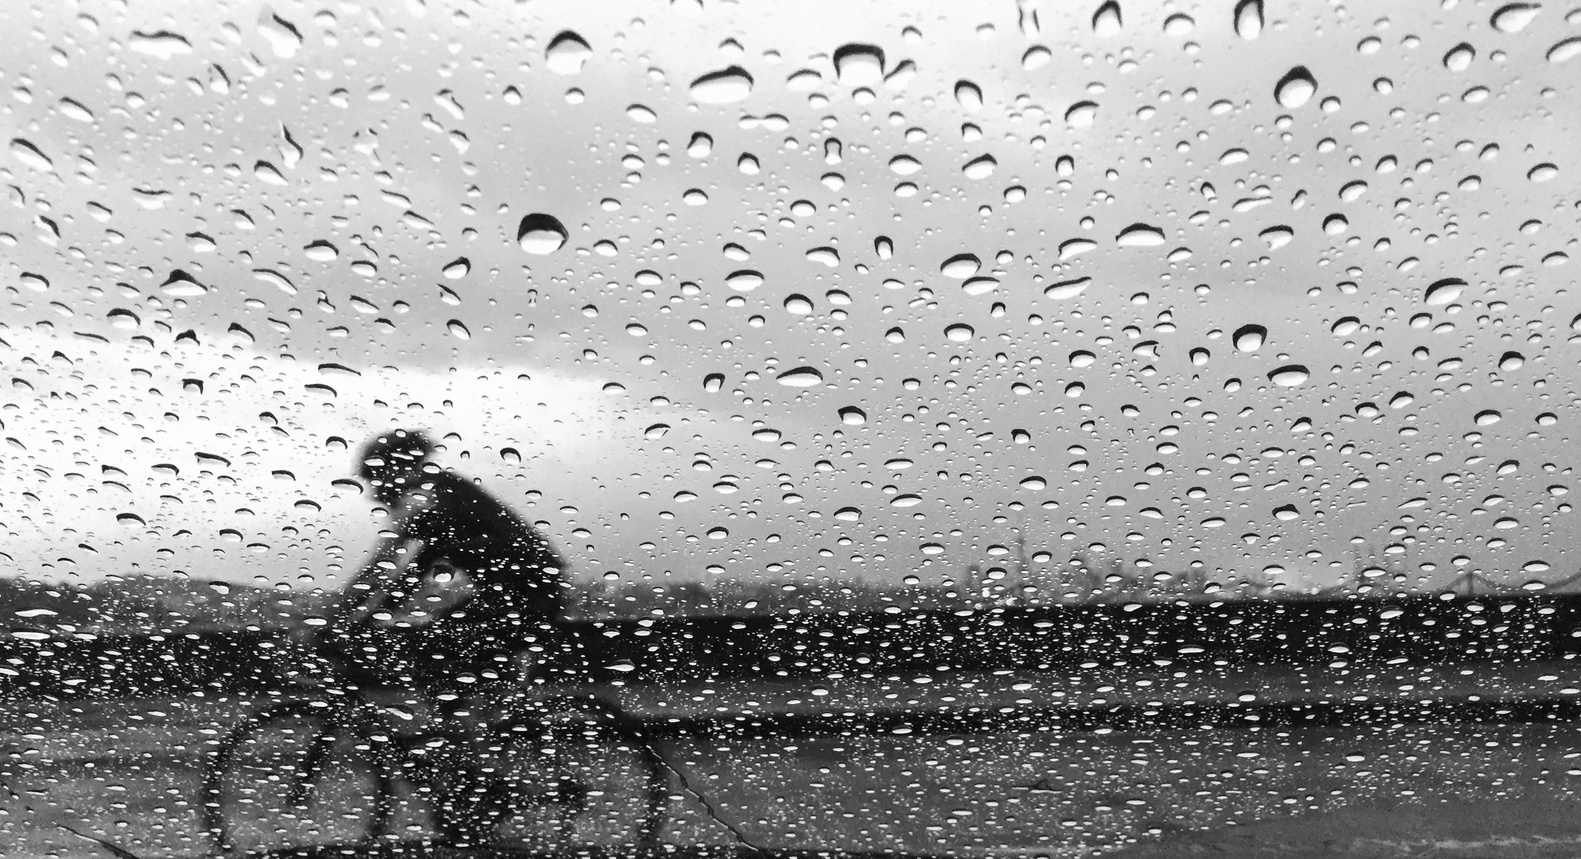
925	428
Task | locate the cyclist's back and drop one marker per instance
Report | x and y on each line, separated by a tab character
457	587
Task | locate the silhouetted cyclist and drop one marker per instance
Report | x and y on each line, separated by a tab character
458	586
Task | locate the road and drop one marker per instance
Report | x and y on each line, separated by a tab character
127	771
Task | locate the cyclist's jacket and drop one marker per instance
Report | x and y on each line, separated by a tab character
515	570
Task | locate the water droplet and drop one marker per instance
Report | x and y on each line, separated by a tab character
636	329
852	416
1295	88
182	285
968	96
1034	483
1179	26
713	382
700	145
567	53
1459	58
275	279
321	251
980	285
1075	247
1511	361
1565	50
1249	338
28	154
1082	113
961	266
40	283
1140	236
1286	513
722	87
980	167
1066	289
960	332
904	165
458	329
162	44
1542	172
744	280
884	247
1444	291
458	268
1249	18
801	377
803	80
828	256
541	234
905	501
798	304
1488	417
73	109
1106	21
283	37
1277	237
1335	224
1346	326
1352	190
859	65
266	172
1513	17
1081	358
895	335
1036	58
1289	375
641	113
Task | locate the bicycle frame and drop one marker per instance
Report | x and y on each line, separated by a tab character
399	756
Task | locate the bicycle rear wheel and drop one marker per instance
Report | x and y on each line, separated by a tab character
294	777
575	776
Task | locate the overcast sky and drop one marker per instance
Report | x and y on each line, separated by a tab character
328	198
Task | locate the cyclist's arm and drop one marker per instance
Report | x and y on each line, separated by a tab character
370	587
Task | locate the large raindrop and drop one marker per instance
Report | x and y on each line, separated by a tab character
567	53
1295	88
722	87
541	234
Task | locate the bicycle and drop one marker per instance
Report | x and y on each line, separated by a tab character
566	773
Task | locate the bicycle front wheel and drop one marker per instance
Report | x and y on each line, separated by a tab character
578	775
293	777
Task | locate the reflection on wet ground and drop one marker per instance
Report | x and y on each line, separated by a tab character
128	770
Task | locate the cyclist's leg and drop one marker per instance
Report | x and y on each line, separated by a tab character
465	684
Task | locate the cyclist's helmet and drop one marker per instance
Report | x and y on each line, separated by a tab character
394	451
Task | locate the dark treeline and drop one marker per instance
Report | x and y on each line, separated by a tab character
895	641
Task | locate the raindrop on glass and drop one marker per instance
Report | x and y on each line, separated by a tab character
1295	88
567	53
722	87
541	234
859	65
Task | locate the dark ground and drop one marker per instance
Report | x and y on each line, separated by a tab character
126	770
